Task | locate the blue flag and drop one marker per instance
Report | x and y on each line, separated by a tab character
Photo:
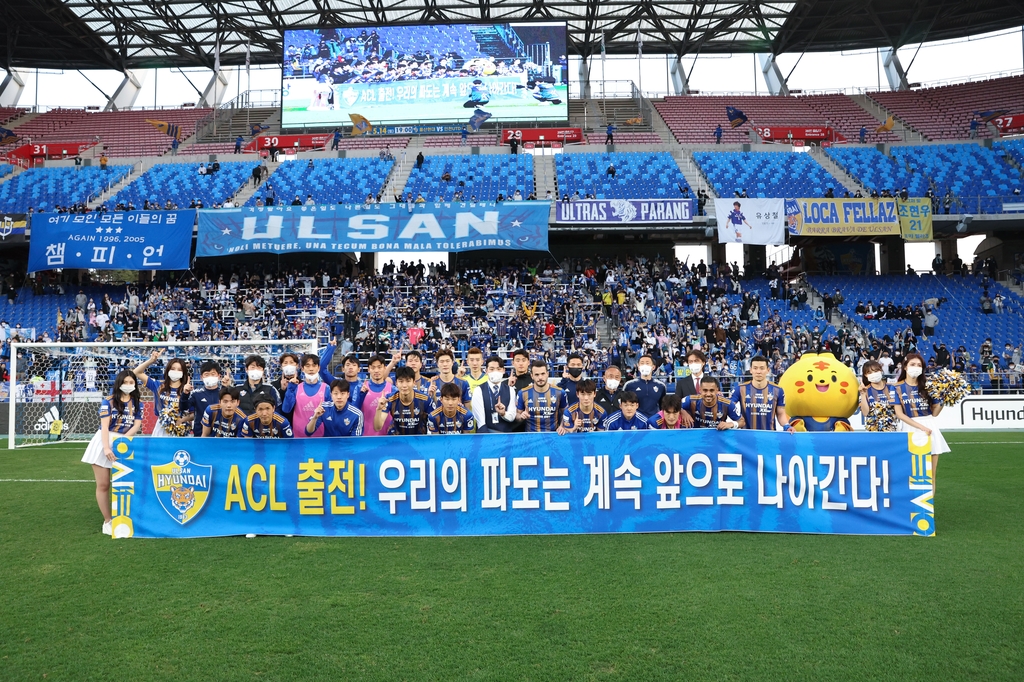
477	119
6	134
736	117
990	114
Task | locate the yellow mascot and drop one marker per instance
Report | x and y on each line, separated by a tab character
821	393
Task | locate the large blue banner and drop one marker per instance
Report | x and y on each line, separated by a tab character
437	226
523	484
135	240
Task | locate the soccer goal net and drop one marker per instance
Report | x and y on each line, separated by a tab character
56	388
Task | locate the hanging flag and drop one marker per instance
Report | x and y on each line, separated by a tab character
360	124
477	119
216	57
887	126
603	53
171	129
6	134
736	117
247	54
639	43
987	116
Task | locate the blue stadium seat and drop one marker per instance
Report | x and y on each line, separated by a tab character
181	183
875	170
45	188
782	174
638	175
330	181
978	177
484	176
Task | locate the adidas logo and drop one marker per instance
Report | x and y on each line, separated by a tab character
44	422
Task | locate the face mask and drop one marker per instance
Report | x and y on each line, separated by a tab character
875	377
575	372
311	378
211	382
612	384
645	370
127	388
174	375
255	374
696	367
495	377
914	372
288	370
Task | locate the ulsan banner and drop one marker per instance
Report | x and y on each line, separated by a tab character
135	240
915	219
750	221
438	226
842	217
630	211
524	484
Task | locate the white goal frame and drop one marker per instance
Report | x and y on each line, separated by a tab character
299	345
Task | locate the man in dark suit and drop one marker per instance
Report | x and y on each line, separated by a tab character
688	386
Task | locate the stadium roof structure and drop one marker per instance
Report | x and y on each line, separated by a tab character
126	34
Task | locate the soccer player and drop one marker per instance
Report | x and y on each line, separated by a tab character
451	417
583	416
266	423
649	391
476	375
224	420
302	398
759	401
374	391
338	417
255	387
193	403
407	407
629	417
289	364
541	405
414	359
734	222
492	400
710	411
671	415
445	361
572	374
520	377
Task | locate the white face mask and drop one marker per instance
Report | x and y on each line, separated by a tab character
612	384
255	374
696	367
645	370
174	375
288	370
914	372
311	378
127	388
495	377
211	382
875	377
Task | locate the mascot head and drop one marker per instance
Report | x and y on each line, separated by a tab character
818	385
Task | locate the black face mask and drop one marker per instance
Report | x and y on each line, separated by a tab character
575	372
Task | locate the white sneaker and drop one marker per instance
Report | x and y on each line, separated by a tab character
107	529
250	535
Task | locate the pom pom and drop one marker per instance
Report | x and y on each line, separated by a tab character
947	386
881	417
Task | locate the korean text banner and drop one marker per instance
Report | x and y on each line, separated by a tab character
621	482
633	211
842	217
443	226
915	219
137	240
750	221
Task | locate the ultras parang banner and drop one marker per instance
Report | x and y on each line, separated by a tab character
621	482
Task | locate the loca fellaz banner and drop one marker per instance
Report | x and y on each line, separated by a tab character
438	226
135	240
624	482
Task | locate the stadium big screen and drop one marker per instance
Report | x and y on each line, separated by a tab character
425	74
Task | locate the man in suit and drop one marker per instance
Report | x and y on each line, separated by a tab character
690	385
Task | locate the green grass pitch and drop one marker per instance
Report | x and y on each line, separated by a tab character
75	605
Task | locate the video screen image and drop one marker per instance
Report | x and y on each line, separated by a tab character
425	74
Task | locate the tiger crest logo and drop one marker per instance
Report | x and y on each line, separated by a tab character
182	486
183	498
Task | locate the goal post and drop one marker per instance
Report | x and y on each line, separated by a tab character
55	389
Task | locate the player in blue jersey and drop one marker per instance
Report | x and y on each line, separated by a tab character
731	232
628	418
479	96
709	410
338	417
541	405
671	415
583	416
760	402
265	422
223	420
649	391
445	360
409	408
452	417
414	359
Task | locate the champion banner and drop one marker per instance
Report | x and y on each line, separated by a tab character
915	219
441	226
842	217
137	240
631	211
621	482
750	221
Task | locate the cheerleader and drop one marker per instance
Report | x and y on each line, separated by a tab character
166	395
913	396
120	414
875	390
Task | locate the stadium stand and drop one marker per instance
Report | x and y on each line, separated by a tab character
1011	148
207	148
472	140
482	176
181	184
329	181
978	178
6	169
10	113
626	137
364	142
766	174
876	171
945	113
638	175
47	188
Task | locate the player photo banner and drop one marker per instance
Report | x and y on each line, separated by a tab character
524	484
842	217
751	221
439	226
628	211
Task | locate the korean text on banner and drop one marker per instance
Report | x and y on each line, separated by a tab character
915	219
442	226
139	240
842	217
750	221
624	482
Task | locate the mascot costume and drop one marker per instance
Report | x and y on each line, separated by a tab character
821	393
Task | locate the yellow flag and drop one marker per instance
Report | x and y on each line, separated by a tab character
887	126
360	124
170	129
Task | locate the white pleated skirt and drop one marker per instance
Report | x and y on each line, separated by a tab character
159	432
94	452
939	444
